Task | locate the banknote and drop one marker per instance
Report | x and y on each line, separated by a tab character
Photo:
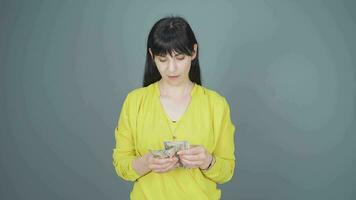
158	153
165	153
177	146
170	150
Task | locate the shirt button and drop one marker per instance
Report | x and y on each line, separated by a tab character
174	137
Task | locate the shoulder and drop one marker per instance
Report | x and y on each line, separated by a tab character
136	93
214	97
136	97
140	92
217	102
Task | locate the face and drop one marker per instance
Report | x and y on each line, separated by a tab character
174	69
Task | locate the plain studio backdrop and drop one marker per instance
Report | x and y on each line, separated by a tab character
286	67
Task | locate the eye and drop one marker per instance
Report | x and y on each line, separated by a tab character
180	57
161	59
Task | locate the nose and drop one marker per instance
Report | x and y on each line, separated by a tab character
172	65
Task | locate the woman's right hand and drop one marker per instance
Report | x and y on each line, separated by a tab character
160	165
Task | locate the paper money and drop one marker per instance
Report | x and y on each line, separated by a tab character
158	154
170	150
165	153
177	146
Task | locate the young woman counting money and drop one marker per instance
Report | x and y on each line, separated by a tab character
173	108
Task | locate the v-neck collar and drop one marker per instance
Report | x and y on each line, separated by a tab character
158	92
162	110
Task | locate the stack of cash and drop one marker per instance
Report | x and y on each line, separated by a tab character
170	150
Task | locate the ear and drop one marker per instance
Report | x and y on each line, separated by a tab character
149	49
195	47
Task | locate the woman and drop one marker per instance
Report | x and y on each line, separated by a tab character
173	106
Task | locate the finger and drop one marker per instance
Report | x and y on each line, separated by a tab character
191	163
171	166
176	165
167	164
186	165
194	150
165	168
160	161
195	157
158	167
175	162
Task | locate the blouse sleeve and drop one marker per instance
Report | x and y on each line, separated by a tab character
124	152
223	168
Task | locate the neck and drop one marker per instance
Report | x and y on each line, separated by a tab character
175	91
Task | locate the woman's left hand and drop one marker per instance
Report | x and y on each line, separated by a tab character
194	157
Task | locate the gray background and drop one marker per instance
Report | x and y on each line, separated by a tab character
286	67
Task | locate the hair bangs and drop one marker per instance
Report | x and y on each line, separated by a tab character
167	45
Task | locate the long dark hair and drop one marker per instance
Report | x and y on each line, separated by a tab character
167	35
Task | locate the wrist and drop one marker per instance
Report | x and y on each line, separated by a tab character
140	165
208	164
144	162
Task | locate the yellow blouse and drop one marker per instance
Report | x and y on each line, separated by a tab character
143	124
